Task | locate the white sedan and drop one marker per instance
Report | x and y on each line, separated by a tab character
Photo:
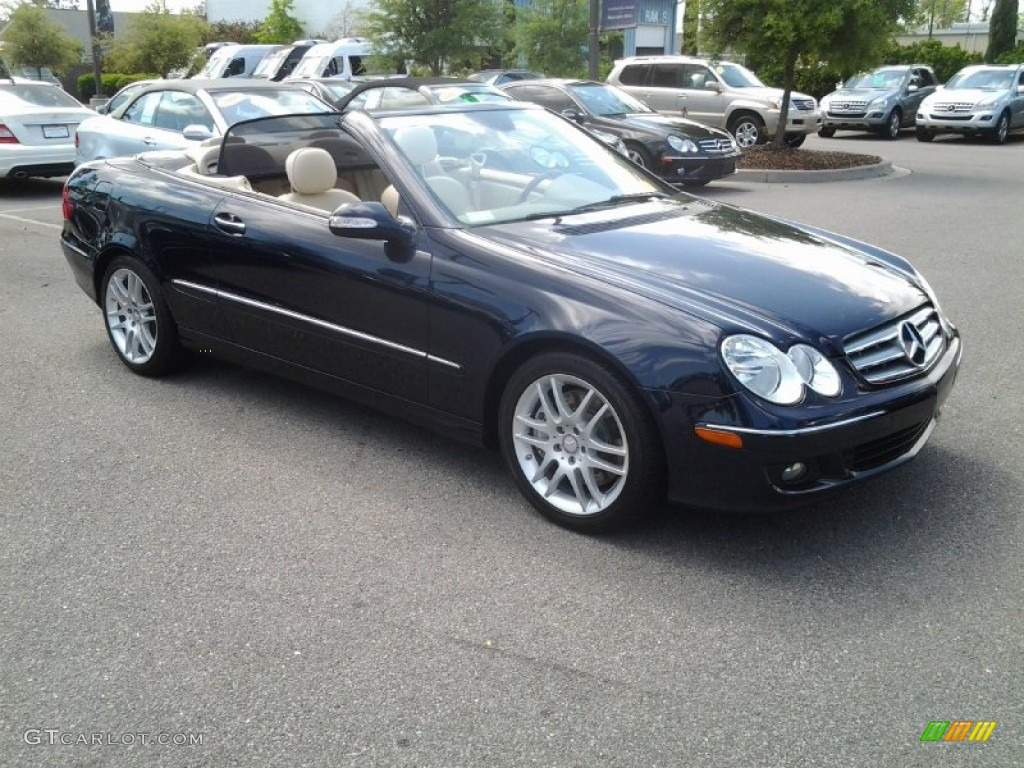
37	123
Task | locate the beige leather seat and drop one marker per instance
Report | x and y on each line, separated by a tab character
419	146
312	175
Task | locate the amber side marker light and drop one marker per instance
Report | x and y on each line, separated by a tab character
719	437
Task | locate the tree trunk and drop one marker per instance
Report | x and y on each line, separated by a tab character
788	80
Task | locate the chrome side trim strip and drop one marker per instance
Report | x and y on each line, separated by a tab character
76	249
320	323
794	432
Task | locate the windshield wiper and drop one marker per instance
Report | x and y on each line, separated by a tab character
611	202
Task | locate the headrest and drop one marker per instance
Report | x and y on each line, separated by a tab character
417	143
311	170
204	157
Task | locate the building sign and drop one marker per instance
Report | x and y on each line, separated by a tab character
104	18
618	14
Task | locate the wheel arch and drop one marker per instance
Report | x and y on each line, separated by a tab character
517	354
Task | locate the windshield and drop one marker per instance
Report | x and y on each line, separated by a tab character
982	79
606	100
879	80
18	95
240	105
448	94
491	165
736	76
218	63
271	63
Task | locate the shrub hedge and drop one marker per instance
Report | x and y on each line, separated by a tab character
111	83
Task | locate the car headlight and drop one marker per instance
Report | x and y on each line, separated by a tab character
776	376
879	103
679	144
988	101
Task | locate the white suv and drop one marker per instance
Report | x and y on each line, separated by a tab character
717	93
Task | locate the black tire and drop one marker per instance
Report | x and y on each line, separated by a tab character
696	184
1001	132
796	140
893	124
826	132
748	130
923	134
139	324
570	471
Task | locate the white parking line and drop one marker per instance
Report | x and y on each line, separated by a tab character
47	224
36	208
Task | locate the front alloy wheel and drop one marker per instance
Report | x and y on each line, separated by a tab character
893	124
748	130
1002	130
579	444
139	325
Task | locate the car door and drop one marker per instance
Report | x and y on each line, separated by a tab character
925	82
291	289
661	91
142	127
1017	100
701	103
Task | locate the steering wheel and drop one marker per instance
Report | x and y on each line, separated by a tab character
536	182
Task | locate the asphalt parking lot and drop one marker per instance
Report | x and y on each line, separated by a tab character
269	576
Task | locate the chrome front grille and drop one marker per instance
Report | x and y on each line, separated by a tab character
715	145
805	105
899	349
952	108
848	106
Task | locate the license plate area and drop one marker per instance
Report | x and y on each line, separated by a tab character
55	132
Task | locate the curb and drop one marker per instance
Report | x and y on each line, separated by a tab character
883	168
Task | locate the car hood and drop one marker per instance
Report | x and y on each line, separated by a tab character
663	124
769	94
962	95
732	267
859	94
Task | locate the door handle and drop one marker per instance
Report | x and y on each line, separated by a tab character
230	224
149	141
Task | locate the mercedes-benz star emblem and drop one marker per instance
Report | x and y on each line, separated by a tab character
913	344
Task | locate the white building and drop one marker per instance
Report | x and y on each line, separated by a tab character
330	20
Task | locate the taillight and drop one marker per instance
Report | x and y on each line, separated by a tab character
6	137
67	207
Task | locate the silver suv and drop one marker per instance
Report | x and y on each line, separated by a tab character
717	93
883	101
982	100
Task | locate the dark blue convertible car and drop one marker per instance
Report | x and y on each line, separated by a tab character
499	275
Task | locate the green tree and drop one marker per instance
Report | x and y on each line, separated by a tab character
779	32
156	41
691	23
32	40
1012	56
552	34
938	14
280	26
243	32
1002	29
432	33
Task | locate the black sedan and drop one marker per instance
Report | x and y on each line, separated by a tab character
621	342
678	150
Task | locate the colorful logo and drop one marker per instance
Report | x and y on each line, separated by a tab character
958	730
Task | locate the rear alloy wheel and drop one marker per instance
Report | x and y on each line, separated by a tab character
826	132
923	134
748	130
893	124
580	445
1002	130
139	325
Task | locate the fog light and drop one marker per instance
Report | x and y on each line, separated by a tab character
794	472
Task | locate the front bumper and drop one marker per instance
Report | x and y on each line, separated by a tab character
798	121
973	123
838	450
861	121
677	169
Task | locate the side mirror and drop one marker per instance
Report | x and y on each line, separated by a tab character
197	132
573	115
1020	89
713	85
370	221
912	88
